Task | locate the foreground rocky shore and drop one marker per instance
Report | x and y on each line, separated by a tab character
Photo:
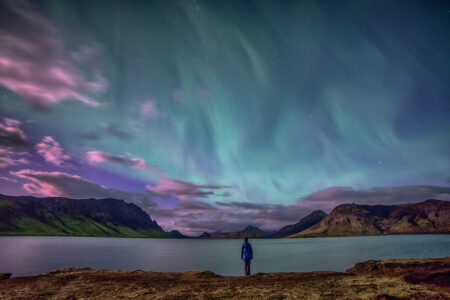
388	279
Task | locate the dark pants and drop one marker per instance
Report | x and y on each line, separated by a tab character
247	267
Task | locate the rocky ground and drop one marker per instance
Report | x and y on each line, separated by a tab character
389	279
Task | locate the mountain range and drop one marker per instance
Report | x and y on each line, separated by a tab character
255	232
76	217
26	215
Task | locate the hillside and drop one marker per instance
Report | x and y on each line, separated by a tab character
308	221
431	216
73	217
249	231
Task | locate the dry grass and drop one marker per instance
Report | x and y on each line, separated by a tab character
103	284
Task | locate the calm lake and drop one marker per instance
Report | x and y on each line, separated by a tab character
32	255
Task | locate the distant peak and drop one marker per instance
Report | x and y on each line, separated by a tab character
318	212
205	234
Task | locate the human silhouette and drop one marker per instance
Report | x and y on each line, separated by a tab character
246	255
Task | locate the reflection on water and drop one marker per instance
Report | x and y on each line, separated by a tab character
32	255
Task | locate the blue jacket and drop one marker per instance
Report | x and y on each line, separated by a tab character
246	251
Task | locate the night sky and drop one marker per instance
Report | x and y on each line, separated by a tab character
215	115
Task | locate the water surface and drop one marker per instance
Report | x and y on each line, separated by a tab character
33	255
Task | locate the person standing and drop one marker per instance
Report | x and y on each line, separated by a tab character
246	255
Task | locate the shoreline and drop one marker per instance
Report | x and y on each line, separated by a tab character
421	278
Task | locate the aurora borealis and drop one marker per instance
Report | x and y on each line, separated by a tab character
213	115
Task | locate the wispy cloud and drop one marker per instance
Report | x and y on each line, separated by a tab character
167	187
60	184
11	158
7	179
379	195
34	63
117	132
107	129
11	134
12	143
52	151
97	157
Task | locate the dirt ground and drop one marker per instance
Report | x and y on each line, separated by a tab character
390	279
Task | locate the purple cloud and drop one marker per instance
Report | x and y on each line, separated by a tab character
97	157
12	140
11	134
52	151
167	187
11	158
34	63
379	195
7	179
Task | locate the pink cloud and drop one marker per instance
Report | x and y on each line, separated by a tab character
52	151
7	179
60	184
139	163
183	190
33	62
97	157
40	186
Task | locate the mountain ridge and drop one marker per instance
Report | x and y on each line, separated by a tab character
430	216
60	216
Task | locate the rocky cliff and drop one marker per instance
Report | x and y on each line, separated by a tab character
431	216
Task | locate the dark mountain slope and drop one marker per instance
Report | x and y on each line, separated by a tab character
75	217
308	221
